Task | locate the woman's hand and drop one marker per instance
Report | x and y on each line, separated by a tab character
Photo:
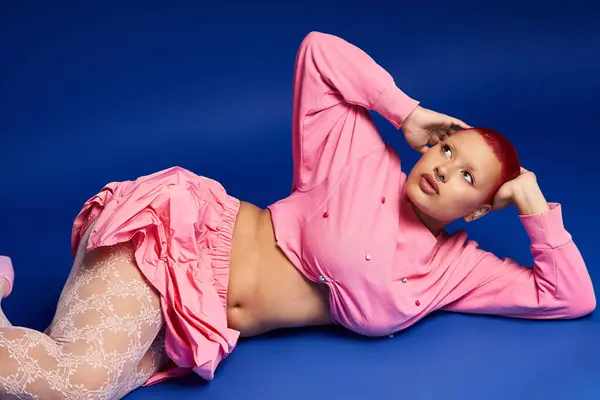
424	128
524	192
505	196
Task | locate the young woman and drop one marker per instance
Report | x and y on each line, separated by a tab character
170	269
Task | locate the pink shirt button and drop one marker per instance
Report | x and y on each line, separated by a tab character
383	199
368	257
418	303
325	214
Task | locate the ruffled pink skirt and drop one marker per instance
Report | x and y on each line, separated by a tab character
181	226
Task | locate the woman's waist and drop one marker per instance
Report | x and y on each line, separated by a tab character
266	291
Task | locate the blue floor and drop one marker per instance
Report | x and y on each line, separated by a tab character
92	94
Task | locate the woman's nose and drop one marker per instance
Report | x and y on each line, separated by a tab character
440	173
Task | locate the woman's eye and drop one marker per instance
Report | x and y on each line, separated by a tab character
468	177
447	150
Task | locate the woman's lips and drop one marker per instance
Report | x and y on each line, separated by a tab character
429	185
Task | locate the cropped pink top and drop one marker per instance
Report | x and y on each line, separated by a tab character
348	224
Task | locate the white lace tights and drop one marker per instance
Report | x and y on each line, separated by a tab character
105	340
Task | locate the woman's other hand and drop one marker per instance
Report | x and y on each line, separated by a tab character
524	192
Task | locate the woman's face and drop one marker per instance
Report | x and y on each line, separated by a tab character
454	178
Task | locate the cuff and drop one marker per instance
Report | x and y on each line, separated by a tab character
394	105
546	230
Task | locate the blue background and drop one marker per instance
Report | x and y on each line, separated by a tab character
96	93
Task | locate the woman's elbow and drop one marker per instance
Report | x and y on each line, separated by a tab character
581	304
313	38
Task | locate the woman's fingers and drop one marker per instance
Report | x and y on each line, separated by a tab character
434	139
423	149
457	122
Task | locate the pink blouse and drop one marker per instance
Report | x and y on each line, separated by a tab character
347	223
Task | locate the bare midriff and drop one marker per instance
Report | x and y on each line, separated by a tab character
266	291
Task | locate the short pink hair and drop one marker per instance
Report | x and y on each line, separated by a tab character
506	154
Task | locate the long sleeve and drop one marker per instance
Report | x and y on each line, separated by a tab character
557	286
335	83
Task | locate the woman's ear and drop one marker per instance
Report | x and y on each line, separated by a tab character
480	212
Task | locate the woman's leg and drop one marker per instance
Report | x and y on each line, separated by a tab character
104	341
4	322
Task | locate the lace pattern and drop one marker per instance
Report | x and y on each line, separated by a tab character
106	339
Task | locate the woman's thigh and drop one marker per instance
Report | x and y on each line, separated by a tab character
108	321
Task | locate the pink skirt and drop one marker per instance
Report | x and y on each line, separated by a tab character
181	226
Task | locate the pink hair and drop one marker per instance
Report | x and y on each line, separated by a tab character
506	154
